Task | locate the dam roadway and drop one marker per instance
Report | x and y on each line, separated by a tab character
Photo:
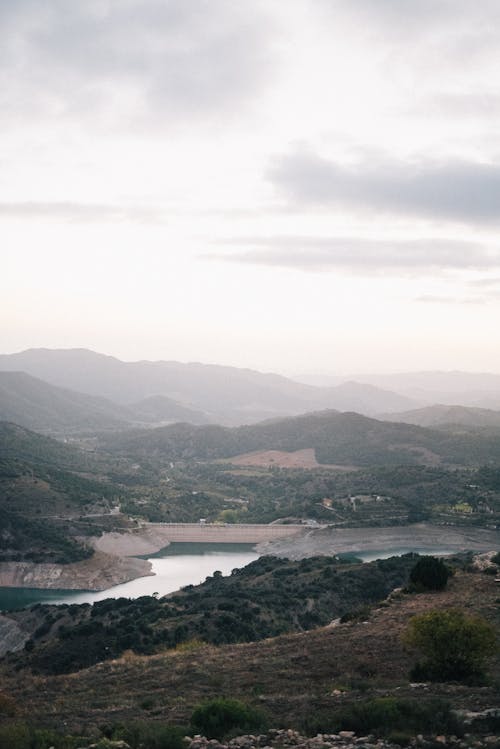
224	533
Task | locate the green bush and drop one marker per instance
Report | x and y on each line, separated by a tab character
455	645
23	736
429	573
216	718
151	735
357	615
386	715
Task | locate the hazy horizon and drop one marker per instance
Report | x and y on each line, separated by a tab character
291	374
309	187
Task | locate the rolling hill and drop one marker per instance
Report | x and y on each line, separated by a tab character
443	416
35	404
41	484
337	438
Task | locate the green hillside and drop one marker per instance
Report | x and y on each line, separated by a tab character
337	438
449	417
41	491
266	598
21	445
37	405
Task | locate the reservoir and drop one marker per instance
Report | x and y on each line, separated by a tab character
175	566
182	563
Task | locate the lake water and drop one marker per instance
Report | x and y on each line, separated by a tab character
175	566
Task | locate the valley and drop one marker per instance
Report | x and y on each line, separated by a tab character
169	558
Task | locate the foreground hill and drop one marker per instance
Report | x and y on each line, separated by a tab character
267	597
227	394
337	438
301	680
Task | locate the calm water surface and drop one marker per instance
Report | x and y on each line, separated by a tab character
175	566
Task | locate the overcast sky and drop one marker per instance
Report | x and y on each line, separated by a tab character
300	186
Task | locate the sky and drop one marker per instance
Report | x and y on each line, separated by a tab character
300	186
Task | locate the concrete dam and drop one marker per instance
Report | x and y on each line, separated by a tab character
224	534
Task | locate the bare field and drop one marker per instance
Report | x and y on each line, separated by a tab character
299	459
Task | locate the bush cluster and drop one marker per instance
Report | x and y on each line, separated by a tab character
218	717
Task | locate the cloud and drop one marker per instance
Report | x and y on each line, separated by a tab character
362	256
171	57
84	212
431	299
464	105
460	191
485	282
403	19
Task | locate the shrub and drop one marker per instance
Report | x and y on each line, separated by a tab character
455	645
384	715
23	736
429	573
357	615
216	718
151	735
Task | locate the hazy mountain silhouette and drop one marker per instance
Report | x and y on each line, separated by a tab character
35	404
440	416
227	394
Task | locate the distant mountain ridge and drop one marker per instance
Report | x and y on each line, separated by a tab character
440	416
227	395
35	404
474	389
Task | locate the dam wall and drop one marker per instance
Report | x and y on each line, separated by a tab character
224	534
151	537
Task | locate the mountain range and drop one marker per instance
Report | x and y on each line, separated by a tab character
155	392
38	405
475	389
77	391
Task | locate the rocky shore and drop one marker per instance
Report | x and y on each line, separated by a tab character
423	536
100	572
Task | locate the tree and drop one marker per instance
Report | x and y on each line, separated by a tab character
430	573
455	645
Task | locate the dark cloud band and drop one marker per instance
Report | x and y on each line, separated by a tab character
452	191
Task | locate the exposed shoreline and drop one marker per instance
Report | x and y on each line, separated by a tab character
423	536
98	573
116	561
